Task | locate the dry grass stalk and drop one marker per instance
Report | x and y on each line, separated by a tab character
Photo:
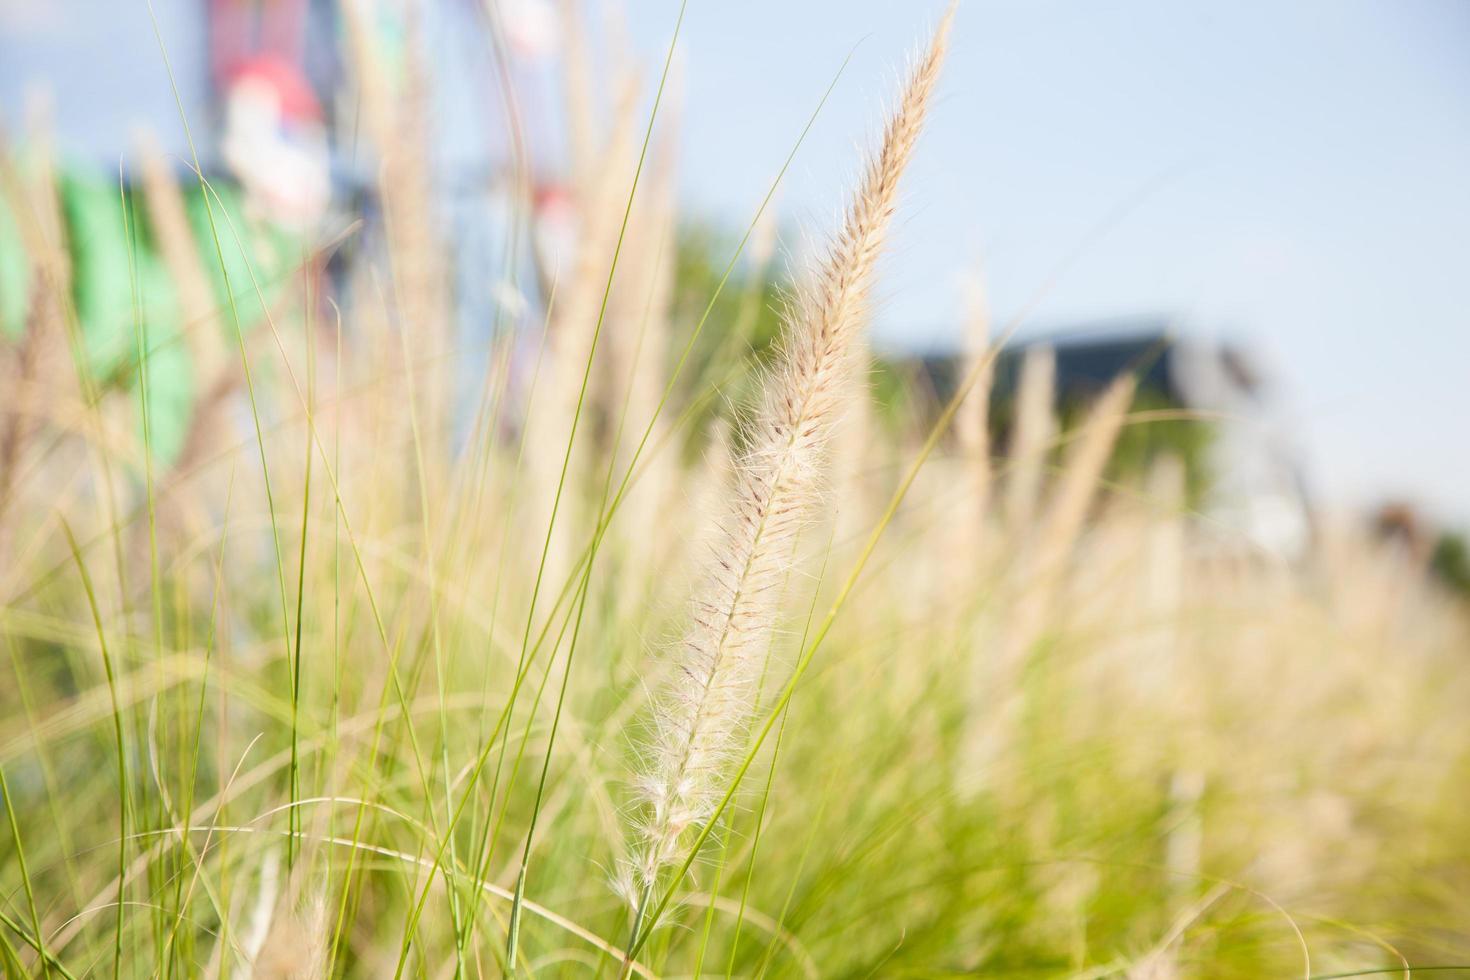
296	947
638	345
1041	568
21	375
576	65
43	385
778	487
638	354
35	201
214	367
33	198
1162	585
569	347
1043	564
1032	433
600	201
972	426
398	124
965	543
181	256
1081	473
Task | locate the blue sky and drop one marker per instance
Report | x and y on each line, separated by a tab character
1296	175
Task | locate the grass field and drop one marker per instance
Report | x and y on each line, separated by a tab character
645	655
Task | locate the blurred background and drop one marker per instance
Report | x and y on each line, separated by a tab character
1286	176
1280	184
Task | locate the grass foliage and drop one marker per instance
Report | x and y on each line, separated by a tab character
641	654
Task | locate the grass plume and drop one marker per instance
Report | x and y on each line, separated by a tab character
778	487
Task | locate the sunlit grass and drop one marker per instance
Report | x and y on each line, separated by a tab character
350	694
